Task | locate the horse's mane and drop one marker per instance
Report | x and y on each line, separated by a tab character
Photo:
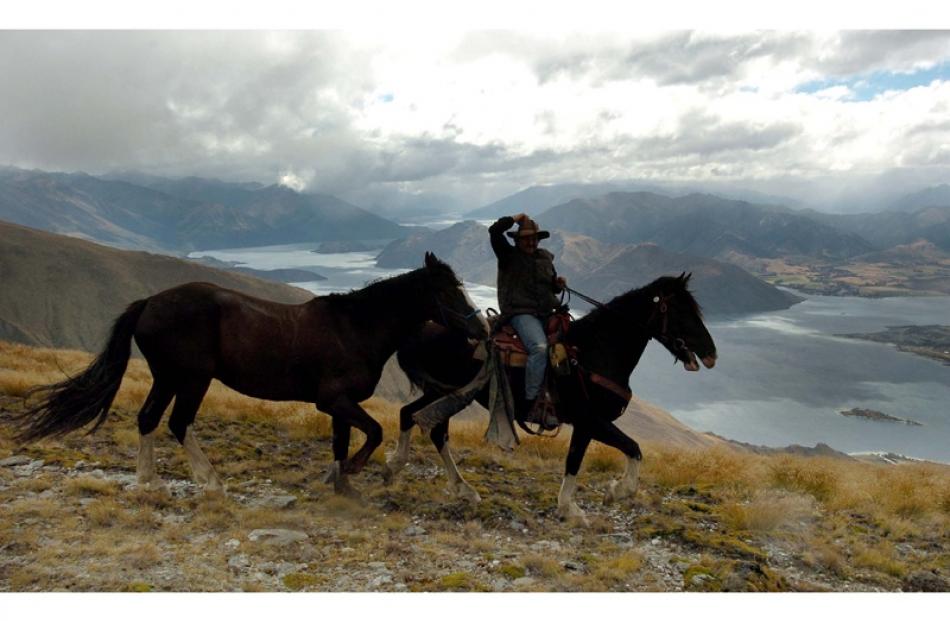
624	303
390	293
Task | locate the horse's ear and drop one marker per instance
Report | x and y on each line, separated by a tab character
682	276
688	276
429	259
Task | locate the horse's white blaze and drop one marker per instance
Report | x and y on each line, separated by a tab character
145	468
201	468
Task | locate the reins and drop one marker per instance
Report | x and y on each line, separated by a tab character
661	307
443	309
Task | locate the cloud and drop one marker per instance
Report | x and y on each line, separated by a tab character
472	114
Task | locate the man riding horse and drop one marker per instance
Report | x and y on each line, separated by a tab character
527	284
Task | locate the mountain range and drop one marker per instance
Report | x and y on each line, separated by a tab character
592	225
537	199
599	269
703	225
180	215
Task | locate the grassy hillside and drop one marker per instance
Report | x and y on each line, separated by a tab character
65	292
705	519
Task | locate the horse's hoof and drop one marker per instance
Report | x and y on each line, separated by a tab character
215	492
388	475
466	493
333	474
348	492
216	488
573	514
352	467
616	490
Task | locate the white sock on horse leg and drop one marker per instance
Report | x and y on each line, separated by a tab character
451	470
201	468
145	466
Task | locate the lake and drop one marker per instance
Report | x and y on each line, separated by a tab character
782	377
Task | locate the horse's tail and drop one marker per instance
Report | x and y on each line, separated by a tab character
76	401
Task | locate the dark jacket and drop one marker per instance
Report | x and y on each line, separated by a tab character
526	282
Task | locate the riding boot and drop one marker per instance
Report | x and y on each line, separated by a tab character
541	412
524	408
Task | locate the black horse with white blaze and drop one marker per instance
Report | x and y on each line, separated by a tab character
609	342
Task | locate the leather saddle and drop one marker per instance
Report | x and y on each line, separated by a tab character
505	339
511	353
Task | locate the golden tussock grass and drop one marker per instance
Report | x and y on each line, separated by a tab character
90	486
104	512
618	568
817	476
718	466
538	565
40	508
833	511
823	555
766	511
879	558
38	484
140	555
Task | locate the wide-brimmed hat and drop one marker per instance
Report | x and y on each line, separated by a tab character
528	227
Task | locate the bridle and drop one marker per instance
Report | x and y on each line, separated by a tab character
443	310
661	308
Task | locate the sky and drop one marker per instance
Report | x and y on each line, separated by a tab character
471	116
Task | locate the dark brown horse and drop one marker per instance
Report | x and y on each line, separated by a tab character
609	341
329	351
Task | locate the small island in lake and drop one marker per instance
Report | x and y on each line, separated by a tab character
879	416
930	341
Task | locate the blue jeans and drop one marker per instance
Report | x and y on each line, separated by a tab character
531	333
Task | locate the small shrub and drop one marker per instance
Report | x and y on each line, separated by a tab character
617	570
104	512
299	581
137	587
814	476
541	565
459	581
512	571
880	558
766	512
91	486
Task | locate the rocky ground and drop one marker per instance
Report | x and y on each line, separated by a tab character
73	519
